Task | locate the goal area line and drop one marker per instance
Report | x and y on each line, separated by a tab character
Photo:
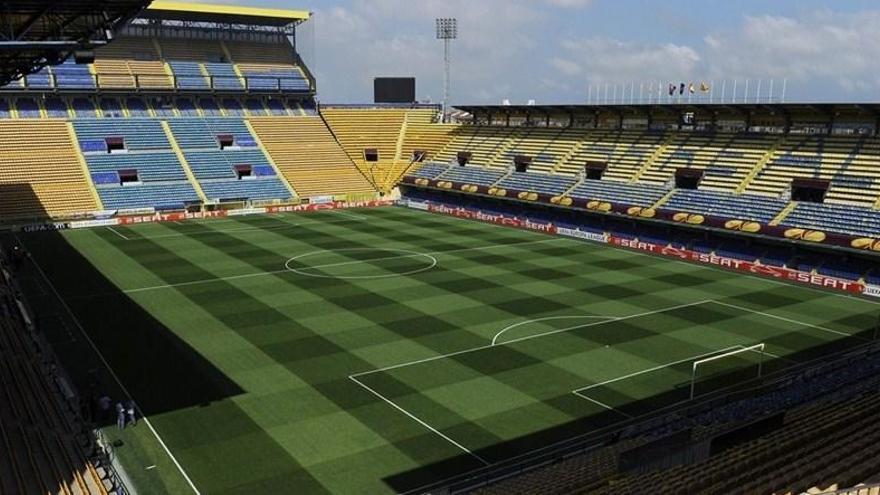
695	360
582	393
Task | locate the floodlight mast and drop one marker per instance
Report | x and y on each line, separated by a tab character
447	30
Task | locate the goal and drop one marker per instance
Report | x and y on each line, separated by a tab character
737	360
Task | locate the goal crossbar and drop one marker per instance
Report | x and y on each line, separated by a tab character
759	348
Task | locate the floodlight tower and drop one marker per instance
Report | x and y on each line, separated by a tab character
447	30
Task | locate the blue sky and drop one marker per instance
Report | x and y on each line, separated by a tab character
552	50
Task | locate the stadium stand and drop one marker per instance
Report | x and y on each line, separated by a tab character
374	138
46	446
308	156
745	175
43	40
40	171
132	162
745	206
167	120
826	423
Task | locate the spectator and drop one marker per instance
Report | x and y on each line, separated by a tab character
104	406
130	411
120	416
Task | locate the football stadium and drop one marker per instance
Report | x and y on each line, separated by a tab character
213	282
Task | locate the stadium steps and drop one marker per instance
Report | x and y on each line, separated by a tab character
235	67
309	157
399	165
571	153
427	137
269	159
358	129
85	167
765	159
666	197
653	158
495	159
183	162
784	213
458	137
416	122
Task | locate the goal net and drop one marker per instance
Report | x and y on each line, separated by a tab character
727	369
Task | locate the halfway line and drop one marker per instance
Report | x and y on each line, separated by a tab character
285	270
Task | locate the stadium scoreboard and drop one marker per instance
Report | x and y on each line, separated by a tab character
394	90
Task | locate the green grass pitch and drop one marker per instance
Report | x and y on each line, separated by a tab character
370	351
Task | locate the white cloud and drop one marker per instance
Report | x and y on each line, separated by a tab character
602	59
817	50
396	37
569	4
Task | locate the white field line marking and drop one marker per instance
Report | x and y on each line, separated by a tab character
606	406
206	221
432	262
346	214
597	245
416	419
111	229
579	392
215	231
489	346
655	368
536	320
285	270
671	260
782	318
529	337
113	373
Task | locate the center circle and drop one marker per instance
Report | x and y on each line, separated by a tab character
353	256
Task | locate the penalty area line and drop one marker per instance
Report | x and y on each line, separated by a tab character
606	406
419	421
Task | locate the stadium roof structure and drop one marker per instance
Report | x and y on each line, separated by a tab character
35	33
223	14
822	109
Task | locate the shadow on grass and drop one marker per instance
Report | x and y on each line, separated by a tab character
159	369
512	456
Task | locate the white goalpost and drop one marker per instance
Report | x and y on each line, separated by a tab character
759	348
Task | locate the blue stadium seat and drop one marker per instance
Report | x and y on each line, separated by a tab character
480	176
741	206
838	218
156	195
616	192
538	182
